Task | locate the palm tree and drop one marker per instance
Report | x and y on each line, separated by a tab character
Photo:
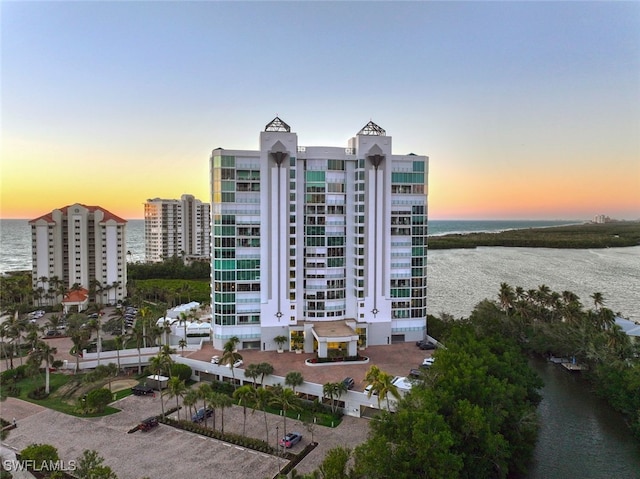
262	398
177	389
230	356
333	391
183	319
598	300
265	369
293	379
137	335
286	399
182	344
252	372
43	352
224	401
118	341
204	390
155	368
507	297
15	327
94	325
213	400
243	395
190	399
387	387
79	336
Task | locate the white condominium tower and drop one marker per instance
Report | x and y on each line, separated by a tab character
325	246
79	246
177	228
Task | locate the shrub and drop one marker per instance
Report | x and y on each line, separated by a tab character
38	393
98	399
182	371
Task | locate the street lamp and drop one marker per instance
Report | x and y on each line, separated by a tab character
278	447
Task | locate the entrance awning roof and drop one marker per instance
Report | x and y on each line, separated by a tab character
334	331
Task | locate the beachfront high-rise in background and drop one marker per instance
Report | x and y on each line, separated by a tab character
79	247
177	228
326	246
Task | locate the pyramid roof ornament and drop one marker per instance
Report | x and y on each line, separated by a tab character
371	129
277	125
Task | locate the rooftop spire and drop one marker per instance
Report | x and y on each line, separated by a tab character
371	129
277	125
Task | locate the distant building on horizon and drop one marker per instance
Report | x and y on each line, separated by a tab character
79	247
323	246
177	228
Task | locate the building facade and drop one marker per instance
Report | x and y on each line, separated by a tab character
325	247
79	247
177	228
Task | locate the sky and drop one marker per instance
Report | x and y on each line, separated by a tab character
527	110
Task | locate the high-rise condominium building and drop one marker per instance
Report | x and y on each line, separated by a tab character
324	246
177	228
79	246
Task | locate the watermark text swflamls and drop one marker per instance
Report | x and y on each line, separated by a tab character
38	466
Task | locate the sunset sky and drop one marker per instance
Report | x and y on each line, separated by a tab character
527	110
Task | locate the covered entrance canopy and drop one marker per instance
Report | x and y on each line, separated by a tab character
76	297
331	332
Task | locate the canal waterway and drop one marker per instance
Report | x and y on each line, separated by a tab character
580	435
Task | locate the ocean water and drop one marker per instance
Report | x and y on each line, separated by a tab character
458	279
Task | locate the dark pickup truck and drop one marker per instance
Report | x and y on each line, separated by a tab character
141	390
148	423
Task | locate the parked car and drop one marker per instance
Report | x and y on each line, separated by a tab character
201	414
215	359
349	382
93	316
415	373
427	362
426	345
290	439
237	364
369	388
141	390
148	424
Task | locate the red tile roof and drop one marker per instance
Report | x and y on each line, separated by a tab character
92	209
76	296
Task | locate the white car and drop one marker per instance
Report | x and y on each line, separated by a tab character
215	359
428	362
237	364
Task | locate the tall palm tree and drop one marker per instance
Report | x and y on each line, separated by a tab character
230	356
177	389
15	327
294	379
224	401
43	352
137	335
94	325
265	369
243	395
79	336
262	398
182	344
118	342
204	390
598	300
387	387
287	400
183	319
252	372
333	391
190	399
507	297
155	367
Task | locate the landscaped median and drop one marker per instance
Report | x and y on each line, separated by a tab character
337	360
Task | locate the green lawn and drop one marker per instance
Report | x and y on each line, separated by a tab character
57	402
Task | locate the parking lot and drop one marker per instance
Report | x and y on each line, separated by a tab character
166	452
